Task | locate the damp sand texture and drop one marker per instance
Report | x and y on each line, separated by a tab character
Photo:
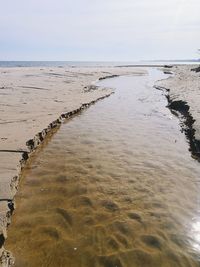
114	187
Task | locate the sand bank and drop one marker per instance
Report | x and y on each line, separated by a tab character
111	188
32	102
183	93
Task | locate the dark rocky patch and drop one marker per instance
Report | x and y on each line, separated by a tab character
161	88
180	106
11	206
41	136
2	240
30	144
196	69
108	77
168	72
181	109
90	88
187	125
25	156
168	66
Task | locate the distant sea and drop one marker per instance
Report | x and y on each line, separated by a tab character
61	64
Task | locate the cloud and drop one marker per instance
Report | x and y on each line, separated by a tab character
95	30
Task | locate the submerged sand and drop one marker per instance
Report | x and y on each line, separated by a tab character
111	188
30	100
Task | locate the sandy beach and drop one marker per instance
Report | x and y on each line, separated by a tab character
33	101
99	133
183	93
123	193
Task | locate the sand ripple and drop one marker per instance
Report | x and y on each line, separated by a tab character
111	189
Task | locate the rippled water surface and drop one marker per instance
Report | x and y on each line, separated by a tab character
114	187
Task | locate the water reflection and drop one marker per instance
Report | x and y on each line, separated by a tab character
195	234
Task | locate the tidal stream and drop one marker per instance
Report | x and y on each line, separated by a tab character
114	187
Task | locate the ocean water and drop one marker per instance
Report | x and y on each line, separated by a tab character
55	63
11	64
115	186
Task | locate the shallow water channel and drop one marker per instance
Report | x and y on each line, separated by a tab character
114	186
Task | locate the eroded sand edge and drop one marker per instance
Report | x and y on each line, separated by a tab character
31	99
183	94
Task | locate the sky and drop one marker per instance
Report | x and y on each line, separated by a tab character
99	30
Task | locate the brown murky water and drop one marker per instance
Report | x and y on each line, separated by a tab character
115	187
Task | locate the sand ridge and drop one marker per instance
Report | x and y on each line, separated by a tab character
183	93
185	85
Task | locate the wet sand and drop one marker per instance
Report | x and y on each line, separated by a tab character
30	100
111	188
185	86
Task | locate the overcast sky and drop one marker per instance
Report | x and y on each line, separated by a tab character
111	30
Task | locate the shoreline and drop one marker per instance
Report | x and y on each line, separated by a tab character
7	204
21	155
6	258
182	104
64	197
180	109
